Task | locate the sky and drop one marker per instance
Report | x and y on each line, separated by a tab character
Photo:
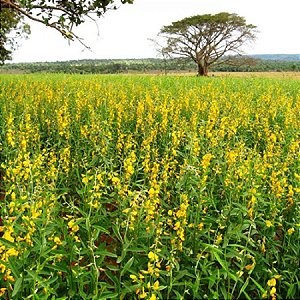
125	32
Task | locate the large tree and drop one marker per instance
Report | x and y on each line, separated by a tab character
207	38
12	28
60	15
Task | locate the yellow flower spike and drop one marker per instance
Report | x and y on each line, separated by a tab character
291	230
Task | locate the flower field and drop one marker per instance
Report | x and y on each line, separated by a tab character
149	187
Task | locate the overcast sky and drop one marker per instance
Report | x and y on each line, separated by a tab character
125	33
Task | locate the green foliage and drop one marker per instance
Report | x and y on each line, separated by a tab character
11	30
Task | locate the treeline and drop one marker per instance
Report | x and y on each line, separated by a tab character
111	66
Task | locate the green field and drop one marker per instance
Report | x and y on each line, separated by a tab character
149	187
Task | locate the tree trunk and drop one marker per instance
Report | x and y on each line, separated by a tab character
202	70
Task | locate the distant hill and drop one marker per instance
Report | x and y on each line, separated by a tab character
256	63
284	57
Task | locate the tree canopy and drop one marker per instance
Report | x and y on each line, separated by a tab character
12	27
207	38
60	15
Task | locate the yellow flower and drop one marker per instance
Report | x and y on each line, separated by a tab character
273	291
291	230
13	196
115	180
2	291
219	239
156	285
168	268
152	192
57	241
269	223
76	238
133	277
249	267
74	227
177	225
143	294
12	252
7	235
152	256
271	282
85	180
153	297
200	226
239	273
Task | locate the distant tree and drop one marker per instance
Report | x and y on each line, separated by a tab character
60	15
207	38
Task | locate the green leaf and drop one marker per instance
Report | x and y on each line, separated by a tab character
291	291
182	274
7	243
127	266
59	268
258	285
109	295
13	266
244	287
223	263
106	253
17	286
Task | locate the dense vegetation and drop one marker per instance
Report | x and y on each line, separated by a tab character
151	65
147	187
